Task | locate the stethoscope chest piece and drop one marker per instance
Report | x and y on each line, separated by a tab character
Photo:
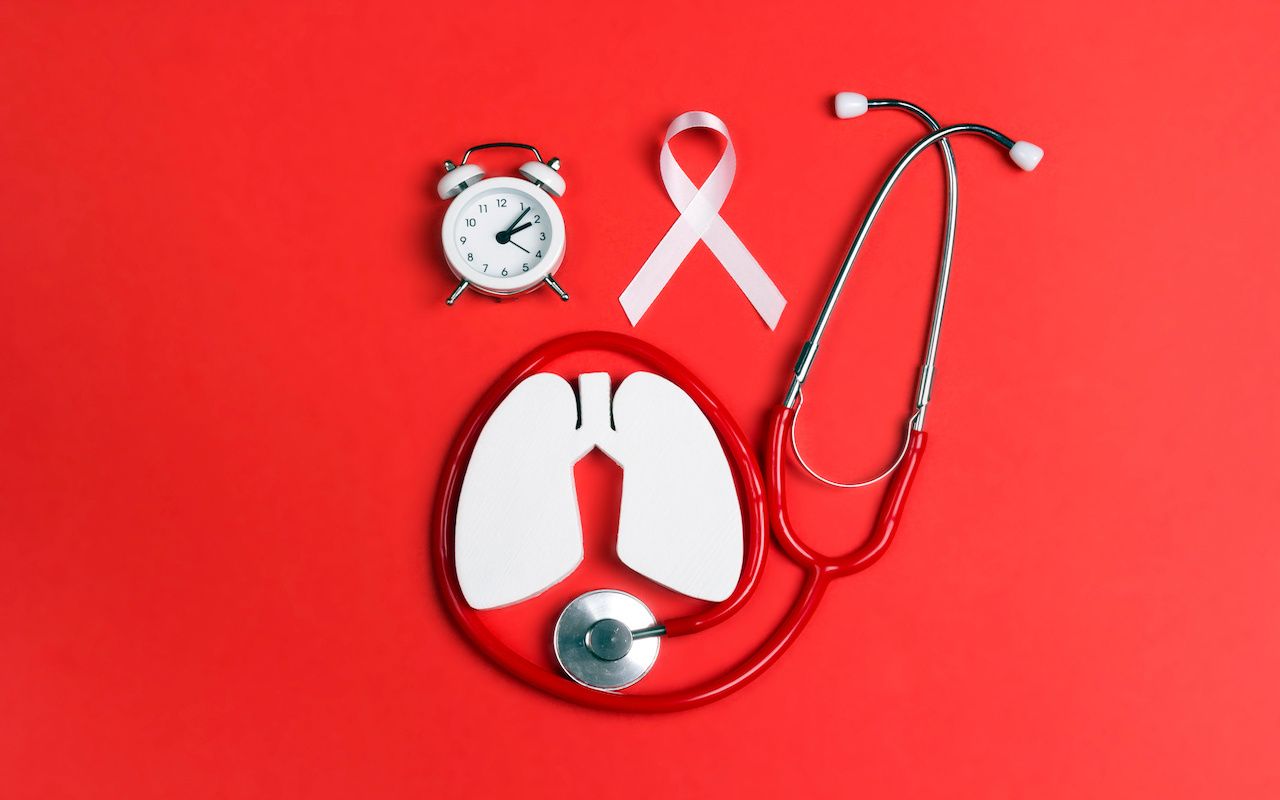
606	639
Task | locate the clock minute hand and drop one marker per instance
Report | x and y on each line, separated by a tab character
505	236
527	209
517	219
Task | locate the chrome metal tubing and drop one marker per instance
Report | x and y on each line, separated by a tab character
810	348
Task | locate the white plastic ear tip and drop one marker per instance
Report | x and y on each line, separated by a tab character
850	104
1026	155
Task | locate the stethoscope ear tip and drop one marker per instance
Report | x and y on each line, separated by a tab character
1026	155
850	104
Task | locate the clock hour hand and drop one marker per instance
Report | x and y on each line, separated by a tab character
505	236
513	231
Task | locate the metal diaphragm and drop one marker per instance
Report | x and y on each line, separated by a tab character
593	640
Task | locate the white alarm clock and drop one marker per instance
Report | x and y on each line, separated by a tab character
503	236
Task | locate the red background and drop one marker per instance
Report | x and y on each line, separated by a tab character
229	379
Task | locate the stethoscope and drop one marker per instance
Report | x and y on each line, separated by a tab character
605	640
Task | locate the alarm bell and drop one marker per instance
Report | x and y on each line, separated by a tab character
458	178
545	175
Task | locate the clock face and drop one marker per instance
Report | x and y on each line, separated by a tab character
501	235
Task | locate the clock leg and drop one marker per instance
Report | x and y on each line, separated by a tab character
462	287
556	287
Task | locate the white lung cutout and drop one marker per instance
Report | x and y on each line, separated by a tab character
518	530
681	524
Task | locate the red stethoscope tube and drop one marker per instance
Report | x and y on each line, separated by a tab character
763	507
887	519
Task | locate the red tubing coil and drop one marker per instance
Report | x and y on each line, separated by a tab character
819	569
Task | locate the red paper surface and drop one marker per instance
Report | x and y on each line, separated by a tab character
229	380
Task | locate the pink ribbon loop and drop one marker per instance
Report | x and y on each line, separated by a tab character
700	220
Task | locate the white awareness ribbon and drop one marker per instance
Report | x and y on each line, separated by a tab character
700	219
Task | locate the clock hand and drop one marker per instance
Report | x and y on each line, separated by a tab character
517	244
505	236
513	231
520	218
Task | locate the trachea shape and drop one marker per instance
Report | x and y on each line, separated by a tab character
518	527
